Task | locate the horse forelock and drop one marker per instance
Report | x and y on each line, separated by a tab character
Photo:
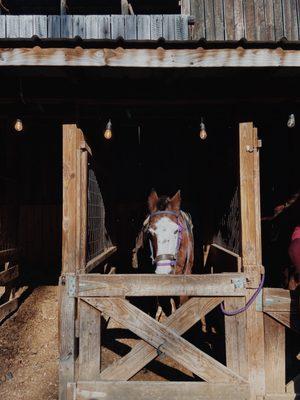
162	203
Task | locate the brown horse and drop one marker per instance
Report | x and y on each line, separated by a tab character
169	233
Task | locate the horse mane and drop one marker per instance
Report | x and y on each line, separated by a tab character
162	203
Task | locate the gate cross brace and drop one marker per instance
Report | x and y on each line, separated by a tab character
142	353
170	343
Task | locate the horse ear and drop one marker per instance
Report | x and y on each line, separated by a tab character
175	202
152	201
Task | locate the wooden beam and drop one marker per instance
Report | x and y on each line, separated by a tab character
223	260
8	255
274	356
281	300
154	58
165	340
100	258
142	353
9	275
89	342
8	308
231	284
160	391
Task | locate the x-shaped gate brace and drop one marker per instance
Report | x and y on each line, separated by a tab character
162	337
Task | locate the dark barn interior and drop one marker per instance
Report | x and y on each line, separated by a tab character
156	119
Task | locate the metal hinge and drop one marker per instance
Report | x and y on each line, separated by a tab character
71	285
239	283
251	149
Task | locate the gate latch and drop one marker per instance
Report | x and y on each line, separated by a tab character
251	149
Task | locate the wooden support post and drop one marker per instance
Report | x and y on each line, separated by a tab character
274	356
73	252
251	251
124	7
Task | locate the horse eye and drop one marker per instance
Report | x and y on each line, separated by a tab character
176	232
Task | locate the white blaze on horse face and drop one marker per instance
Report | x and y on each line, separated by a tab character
166	232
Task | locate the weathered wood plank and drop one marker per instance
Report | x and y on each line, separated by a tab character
219	20
165	339
12	26
249	15
66	341
9	255
89	342
209	20
274	356
235	337
278	12
281	300
185	7
168	27
239	20
293	385
197	10
54	30
164	285
8	308
92	26
181	27
79	26
66	26
156	58
26	26
270	24
40	26
156	27
143	27
9	275
2	26
260	21
287	319
104	27
130	27
141	354
100	258
229	19
117	26
290	20
160	391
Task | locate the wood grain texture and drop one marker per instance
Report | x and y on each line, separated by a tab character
117	26
249	20
274	355
287	319
235	337
155	58
165	339
9	275
280	300
141	354
143	27
89	342
160	391
210	32
197	10
8	308
239	20
219	20
100	258
66	341
165	285
229	19
278	19
156	27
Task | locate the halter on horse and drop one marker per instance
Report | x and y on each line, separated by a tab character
169	231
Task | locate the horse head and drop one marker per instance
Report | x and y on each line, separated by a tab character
165	229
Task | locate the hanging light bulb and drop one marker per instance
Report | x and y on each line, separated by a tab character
202	133
18	125
291	121
108	130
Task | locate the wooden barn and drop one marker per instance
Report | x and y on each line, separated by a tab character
74	200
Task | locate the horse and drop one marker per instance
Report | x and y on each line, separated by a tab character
168	231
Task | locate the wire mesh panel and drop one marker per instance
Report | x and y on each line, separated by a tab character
98	239
229	228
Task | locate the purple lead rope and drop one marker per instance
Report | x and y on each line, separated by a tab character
249	302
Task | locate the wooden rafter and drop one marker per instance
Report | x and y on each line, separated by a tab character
165	340
142	353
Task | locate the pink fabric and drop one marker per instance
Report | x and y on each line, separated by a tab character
296	233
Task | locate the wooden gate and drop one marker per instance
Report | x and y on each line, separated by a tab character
85	297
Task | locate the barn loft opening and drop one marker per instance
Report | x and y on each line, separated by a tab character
80	7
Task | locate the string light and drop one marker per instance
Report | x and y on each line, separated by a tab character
108	130
18	125
291	121
202	133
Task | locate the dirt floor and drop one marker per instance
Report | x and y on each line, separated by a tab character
29	351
